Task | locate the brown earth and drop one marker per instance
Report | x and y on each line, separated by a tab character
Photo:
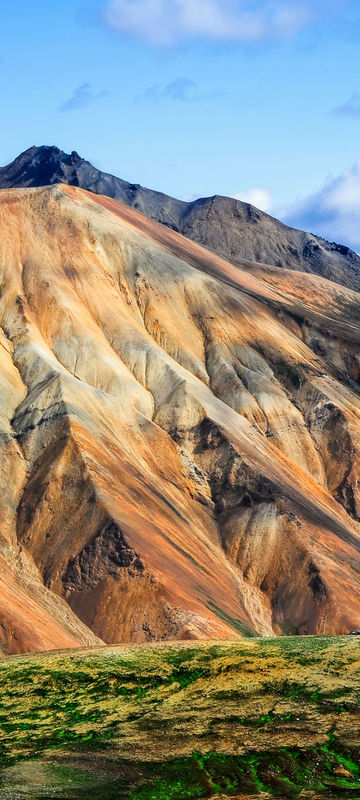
179	436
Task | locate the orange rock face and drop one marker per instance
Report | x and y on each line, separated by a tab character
179	437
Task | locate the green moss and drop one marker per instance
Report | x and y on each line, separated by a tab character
236	624
289	630
286	771
85	708
294	375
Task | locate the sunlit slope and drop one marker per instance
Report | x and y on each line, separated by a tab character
268	718
182	435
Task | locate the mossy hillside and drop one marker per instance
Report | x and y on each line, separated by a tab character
228	719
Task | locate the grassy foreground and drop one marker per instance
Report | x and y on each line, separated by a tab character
244	719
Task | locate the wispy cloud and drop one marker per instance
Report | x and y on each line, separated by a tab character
257	196
333	212
349	109
83	96
171	22
181	90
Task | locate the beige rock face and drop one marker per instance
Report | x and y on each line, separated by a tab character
179	437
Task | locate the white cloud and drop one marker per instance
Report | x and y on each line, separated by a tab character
258	197
180	90
349	109
333	212
171	22
189	198
83	96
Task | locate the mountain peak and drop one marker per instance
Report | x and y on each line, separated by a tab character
40	166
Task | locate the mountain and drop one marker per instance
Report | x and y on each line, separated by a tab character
236	231
179	436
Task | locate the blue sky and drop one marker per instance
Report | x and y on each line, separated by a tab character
257	99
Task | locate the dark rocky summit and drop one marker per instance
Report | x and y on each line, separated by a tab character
234	230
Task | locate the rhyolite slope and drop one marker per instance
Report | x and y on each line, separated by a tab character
179	436
230	228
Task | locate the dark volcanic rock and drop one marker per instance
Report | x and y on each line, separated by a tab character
234	230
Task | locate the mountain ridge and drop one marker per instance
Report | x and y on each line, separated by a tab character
235	230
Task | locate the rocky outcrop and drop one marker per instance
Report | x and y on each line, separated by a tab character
180	455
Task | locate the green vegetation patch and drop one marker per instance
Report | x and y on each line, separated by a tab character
328	771
236	624
189	720
293	375
286	772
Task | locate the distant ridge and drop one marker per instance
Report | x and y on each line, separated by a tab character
234	230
